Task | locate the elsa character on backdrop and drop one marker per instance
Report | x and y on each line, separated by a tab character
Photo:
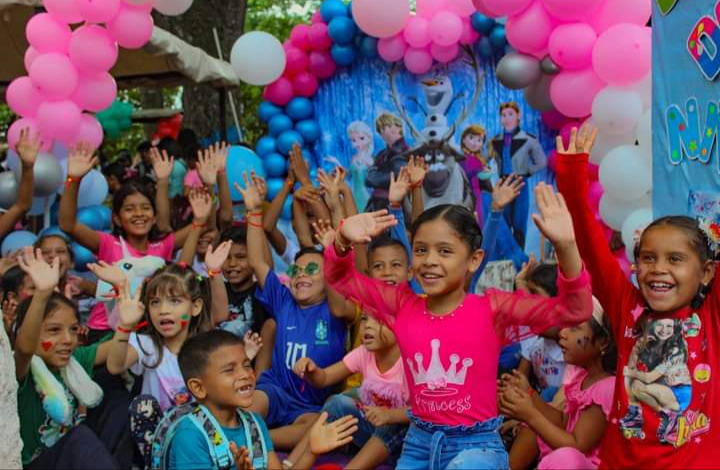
361	139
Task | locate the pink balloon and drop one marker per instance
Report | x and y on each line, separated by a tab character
571	45
418	61
90	132
54	76
132	28
613	12
305	84
46	34
429	8
316	17
623	54
417	32
462	8
553	119
508	7
482	7
95	92
392	49
444	54
595	193
469	35
573	91
322	64
23	97
318	37
13	133
92	49
571	10
566	131
529	31
445	28
64	10
98	11
299	37
30	55
297	61
381	18
280	92
59	119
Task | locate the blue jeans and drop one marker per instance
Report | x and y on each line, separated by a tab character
437	447
391	435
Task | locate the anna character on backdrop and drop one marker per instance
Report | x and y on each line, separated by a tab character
476	166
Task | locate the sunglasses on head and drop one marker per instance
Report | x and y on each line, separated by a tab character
311	269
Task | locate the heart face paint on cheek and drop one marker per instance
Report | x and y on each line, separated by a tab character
46	345
184	320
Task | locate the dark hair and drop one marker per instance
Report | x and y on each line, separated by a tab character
460	219
190	144
12	281
195	352
696	237
654	352
144	147
308	250
609	359
545	276
116	170
123	156
127	190
238	235
55	301
182	281
383	242
171	146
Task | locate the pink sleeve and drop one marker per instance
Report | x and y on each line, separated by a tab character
375	297
572	306
356	360
603	394
106	249
168	247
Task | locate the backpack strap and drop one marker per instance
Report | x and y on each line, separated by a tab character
217	442
164	432
255	440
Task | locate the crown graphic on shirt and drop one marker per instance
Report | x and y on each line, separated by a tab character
436	376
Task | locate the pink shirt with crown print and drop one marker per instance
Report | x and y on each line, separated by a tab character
451	362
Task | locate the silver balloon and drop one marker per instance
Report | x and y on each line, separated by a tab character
549	67
48	175
538	94
8	189
517	71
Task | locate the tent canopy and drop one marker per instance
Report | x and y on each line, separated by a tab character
165	61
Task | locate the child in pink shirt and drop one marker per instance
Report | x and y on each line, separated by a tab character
450	341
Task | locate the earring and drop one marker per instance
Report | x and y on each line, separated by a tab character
699	298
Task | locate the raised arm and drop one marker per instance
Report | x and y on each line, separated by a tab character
219	153
301	223
202	205
417	169
130	311
162	166
46	278
80	162
27	148
272	215
339	306
256	241
331	188
214	260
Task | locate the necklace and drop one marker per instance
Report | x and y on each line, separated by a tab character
442	317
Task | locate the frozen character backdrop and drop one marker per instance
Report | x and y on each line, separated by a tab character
468	127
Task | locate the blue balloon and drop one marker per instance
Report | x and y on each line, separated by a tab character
265	146
287	209
241	160
482	24
497	37
83	257
266	110
54	230
342	30
313	174
309	129
344	56
279	124
275	165
485	48
106	215
287	139
274	186
16	241
368	47
299	108
88	216
331	9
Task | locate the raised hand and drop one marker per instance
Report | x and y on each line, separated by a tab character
201	203
260	184
251	195
253	344
304	366
308	194
299	166
162	164
417	169
109	273
331	186
400	186
81	160
207	168
241	456
324	232
581	142
28	147
506	191
554	220
219	153
214	259
326	437
130	308
46	277
362	228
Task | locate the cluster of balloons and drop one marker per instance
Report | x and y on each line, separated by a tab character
117	119
69	69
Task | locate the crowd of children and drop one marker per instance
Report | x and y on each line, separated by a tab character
198	354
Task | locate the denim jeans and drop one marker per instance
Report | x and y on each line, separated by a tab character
438	447
391	435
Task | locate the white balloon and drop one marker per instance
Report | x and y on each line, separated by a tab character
8	189
258	58
614	211
644	88
138	2
606	142
625	173
643	132
617	110
633	227
172	7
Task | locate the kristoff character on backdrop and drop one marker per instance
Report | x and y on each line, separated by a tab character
390	160
517	152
